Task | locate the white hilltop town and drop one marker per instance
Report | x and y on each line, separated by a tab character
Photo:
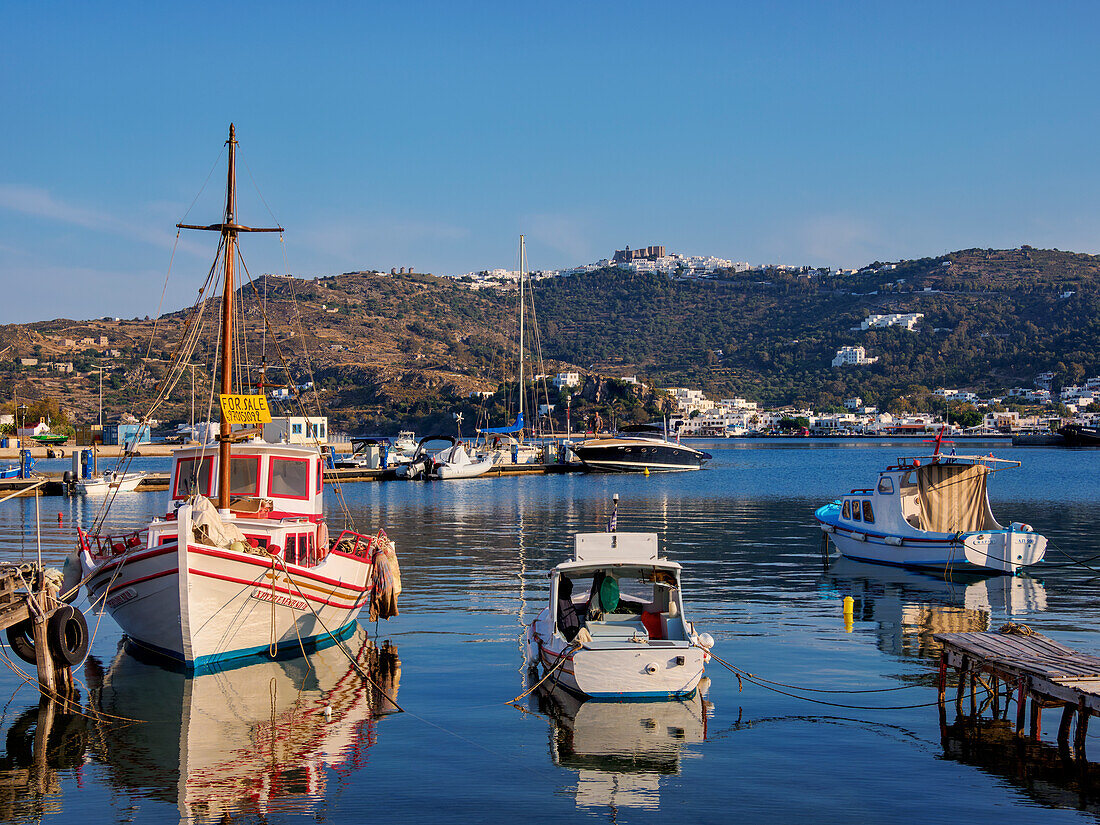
646	259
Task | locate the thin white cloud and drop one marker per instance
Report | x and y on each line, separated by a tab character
40	203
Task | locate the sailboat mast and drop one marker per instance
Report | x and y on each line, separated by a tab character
229	228
522	271
229	233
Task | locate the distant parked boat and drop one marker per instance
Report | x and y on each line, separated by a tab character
636	450
931	512
1081	435
448	463
111	482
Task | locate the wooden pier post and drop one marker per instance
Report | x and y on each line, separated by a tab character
47	673
1036	717
964	667
942	683
1021	705
1082	730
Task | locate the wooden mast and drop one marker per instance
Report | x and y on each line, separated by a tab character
228	229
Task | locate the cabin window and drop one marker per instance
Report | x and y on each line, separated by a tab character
846	511
868	513
244	475
886	485
296	429
855	510
320	475
290	549
289	478
193	476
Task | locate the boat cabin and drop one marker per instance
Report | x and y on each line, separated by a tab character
938	494
618	589
266	480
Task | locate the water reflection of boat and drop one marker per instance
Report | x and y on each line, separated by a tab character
246	740
621	749
910	607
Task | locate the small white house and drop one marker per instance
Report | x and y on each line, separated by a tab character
297	429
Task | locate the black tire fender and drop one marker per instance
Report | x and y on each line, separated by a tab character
67	636
21	640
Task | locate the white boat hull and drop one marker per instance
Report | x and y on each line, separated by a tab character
473	470
995	551
618	670
225	605
102	485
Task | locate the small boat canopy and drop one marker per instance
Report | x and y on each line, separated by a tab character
953	498
515	428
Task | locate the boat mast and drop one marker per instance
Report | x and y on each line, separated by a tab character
522	269
228	229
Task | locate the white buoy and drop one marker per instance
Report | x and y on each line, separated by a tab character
328	713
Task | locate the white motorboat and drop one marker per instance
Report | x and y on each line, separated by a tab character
242	743
931	512
451	462
256	572
110	482
505	451
614	627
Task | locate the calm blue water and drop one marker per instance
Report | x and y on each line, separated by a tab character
254	744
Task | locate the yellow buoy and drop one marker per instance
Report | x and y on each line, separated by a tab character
647	471
849	609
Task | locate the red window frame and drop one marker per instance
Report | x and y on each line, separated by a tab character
209	475
235	458
320	475
271	478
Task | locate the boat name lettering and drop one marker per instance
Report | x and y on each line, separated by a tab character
121	598
282	601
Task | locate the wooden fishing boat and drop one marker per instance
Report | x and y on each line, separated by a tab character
257	571
614	627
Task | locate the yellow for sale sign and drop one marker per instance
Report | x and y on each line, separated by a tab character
245	409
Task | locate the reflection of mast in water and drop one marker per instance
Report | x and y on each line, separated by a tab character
521	615
240	741
910	607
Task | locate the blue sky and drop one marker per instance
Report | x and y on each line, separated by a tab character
432	134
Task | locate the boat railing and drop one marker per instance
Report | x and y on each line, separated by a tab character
355	545
994	464
107	546
863	491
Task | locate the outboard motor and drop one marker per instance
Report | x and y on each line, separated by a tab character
67	482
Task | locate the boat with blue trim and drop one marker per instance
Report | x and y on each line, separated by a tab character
931	512
243	562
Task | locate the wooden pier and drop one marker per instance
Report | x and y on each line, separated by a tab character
1021	665
40	629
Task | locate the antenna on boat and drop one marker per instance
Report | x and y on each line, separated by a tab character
613	522
228	229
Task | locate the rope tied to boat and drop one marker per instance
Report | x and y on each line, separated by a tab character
1014	629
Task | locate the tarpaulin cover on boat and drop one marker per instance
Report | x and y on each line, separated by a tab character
952	498
515	428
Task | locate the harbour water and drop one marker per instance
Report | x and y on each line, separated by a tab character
291	742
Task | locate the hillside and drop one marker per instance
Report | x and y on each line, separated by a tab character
385	349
